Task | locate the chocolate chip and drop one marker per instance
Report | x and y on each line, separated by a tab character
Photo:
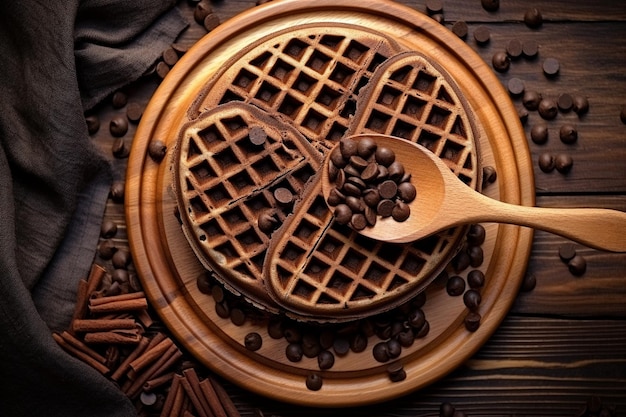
396	372
117	191
203	282
292	334
563	163
120	276
134	111
455	286
202	10
530	49
476	234
565	102
500	61
385	208
539	133
358	342
121	258
162	69
253	341
325	360
394	348
283	195
546	162
416	318
314	382
475	278
472	299
108	229
388	189
384	156
293	352
401	211
580	105
459	28
529	282
533	18
446	410
460	261
472	321
476	256
266	222
547	109
343	214
567	252
106	249
337	158
514	48
157	150
358	221
169	56
218	294
371	197
515	86
577	265
119	148
222	310
237	316
380	352
118	126
568	134
257	135
490	5
407	192
366	147
275	328
93	123
434	6
490	175
522	113
438	17
119	99
341	346
551	67
482	35
531	100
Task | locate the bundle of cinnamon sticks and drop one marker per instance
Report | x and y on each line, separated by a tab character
117	335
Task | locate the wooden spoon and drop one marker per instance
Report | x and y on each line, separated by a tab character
443	201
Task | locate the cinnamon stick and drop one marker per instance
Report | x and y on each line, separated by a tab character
151	355
173	397
141	346
80	355
122	337
193	393
82	296
227	402
118	306
115	298
170	357
94	280
156	382
212	398
100	325
69	338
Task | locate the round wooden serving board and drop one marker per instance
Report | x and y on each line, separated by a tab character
168	267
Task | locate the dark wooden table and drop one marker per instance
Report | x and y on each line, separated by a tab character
564	342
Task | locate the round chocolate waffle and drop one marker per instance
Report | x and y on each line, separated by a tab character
323	82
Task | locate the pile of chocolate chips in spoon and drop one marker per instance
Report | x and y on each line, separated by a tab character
369	183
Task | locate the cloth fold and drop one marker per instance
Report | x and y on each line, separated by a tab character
59	59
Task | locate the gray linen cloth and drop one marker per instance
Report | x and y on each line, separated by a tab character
58	59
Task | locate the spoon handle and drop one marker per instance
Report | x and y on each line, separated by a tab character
603	229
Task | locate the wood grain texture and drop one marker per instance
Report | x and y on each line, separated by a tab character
563	341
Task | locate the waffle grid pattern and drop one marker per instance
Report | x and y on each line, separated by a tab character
228	182
408	100
342	269
312	80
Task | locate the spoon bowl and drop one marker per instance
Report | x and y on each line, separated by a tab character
443	201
